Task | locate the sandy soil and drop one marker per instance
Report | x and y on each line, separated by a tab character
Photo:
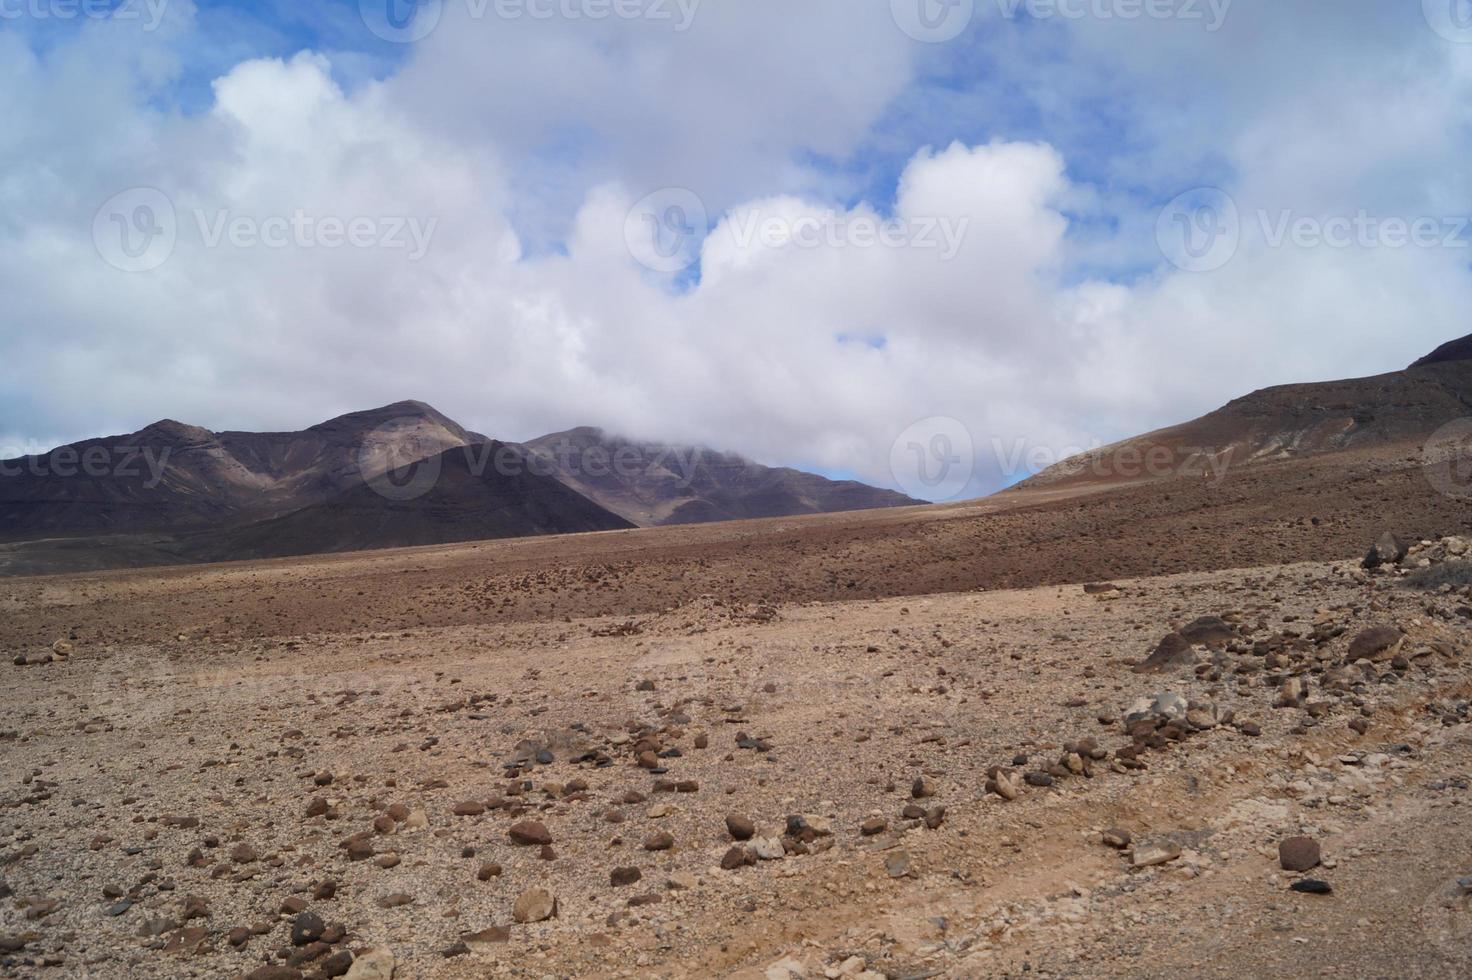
217	735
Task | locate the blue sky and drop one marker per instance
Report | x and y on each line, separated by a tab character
823	144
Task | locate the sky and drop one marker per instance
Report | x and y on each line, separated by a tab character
932	244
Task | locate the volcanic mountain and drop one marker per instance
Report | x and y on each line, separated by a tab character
1395	412
654	484
174	477
469	493
173	492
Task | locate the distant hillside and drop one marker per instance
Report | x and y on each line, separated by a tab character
1288	422
174	477
654	484
465	497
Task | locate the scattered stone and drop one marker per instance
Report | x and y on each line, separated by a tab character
660	841
623	877
307	928
1298	854
1117	838
1312	886
537	905
1155	854
374	964
530	833
740	828
897	864
1173	651
873	826
1377	644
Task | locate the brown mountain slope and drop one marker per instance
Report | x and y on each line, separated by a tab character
658	484
1287	422
469	493
174	477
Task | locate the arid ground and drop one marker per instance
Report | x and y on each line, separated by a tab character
906	744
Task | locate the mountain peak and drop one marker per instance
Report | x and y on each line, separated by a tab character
1455	350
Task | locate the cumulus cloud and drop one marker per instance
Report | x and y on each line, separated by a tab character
1004	280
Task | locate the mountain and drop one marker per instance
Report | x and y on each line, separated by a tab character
469	493
172	477
1398	410
655	484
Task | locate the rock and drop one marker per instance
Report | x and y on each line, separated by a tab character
336	964
1312	886
307	928
740	828
922	788
374	964
488	871
623	877
768	848
1155	854
897	864
486	940
1006	784
1298	854
244	854
529	833
1209	631
470	808
661	841
275	972
1039	779
1117	838
736	857
874	825
1166	706
1172	652
1377	644
537	905
63	649
1291	694
1387	550
395	901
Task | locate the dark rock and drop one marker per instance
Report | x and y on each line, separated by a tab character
1172	652
1298	854
307	928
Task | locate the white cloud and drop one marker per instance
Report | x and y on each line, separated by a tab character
815	353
